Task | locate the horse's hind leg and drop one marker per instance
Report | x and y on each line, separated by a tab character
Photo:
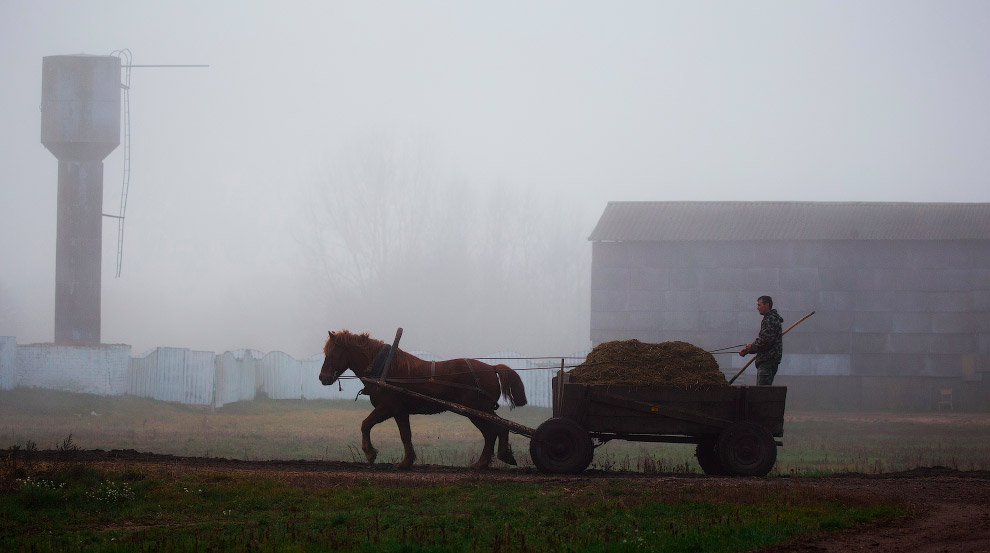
402	421
504	448
489	431
377	415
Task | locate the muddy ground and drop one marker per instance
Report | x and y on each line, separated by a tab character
950	510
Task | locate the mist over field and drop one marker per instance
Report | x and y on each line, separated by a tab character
439	166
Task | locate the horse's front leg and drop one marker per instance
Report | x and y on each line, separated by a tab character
402	421
377	415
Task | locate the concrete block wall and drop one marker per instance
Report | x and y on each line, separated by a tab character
101	369
883	307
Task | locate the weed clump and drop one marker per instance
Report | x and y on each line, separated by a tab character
109	493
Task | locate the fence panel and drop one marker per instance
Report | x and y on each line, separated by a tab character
140	371
174	374
199	374
236	378
279	375
166	376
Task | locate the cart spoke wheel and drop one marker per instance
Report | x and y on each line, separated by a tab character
561	446
707	454
747	449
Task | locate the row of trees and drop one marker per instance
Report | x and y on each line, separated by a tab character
465	269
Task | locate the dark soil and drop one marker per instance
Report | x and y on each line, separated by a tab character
950	510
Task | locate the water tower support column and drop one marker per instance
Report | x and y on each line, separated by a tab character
79	252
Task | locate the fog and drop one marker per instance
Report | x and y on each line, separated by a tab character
439	165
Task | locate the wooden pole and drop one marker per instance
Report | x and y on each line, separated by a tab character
748	363
390	355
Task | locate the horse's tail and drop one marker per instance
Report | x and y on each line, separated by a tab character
512	386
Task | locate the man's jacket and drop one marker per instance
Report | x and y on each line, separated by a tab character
769	346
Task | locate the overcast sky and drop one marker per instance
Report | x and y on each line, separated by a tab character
581	102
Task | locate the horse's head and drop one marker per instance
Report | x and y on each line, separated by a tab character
343	351
334	363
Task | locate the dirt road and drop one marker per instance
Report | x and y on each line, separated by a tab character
951	514
950	509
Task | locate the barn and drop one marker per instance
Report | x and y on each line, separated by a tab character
901	293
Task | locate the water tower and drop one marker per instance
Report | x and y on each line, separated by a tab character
80	125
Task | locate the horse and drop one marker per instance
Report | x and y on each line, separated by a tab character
467	382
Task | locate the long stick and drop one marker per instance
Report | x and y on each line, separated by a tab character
748	363
390	355
456	407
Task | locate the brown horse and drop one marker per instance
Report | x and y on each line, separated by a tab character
467	382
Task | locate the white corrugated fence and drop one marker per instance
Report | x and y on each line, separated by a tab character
204	378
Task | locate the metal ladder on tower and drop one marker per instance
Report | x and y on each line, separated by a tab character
125	54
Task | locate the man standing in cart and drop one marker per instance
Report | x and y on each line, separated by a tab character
769	345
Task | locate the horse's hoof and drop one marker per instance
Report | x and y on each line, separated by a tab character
406	463
508	459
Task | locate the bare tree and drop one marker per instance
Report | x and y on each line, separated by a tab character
399	244
374	210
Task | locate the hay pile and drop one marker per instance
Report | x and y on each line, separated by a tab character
635	363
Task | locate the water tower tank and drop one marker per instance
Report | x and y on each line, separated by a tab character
80	125
80	106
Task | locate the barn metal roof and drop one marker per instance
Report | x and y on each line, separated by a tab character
656	221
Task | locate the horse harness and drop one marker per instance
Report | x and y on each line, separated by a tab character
378	366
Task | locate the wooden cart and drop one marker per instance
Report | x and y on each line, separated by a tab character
734	427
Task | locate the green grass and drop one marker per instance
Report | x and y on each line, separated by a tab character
72	508
814	443
822	447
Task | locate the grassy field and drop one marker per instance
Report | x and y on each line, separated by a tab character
814	443
65	507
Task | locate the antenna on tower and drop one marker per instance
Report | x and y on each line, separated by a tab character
125	86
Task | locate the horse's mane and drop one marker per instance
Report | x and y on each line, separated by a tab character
370	346
348	338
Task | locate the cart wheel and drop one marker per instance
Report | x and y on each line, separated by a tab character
747	449
707	454
561	446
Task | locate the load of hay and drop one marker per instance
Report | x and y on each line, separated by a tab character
635	363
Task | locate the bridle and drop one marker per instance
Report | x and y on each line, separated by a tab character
337	361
